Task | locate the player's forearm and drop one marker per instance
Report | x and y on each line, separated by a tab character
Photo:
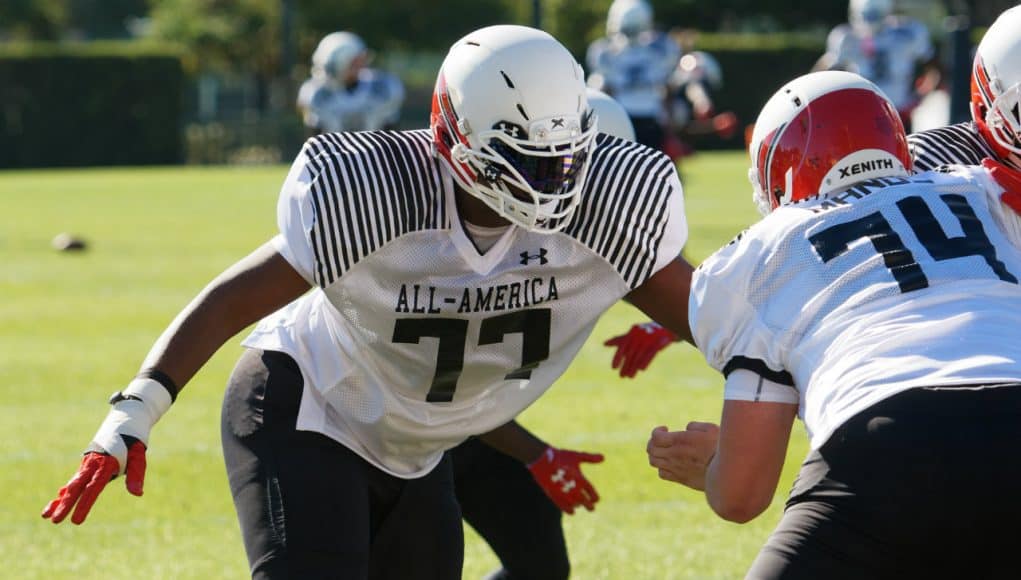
254	287
514	440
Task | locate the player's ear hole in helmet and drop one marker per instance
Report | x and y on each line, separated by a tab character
511	122
821	133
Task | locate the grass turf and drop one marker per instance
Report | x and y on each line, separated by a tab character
74	327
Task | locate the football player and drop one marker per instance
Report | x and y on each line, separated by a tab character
881	308
633	64
886	49
994	132
343	94
524	528
454	272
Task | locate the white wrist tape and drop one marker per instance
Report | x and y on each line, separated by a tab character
133	417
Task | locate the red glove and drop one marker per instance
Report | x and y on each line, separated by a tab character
725	124
95	471
637	348
558	472
118	447
1009	179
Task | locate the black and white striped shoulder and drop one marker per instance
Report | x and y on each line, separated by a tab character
367	189
959	144
625	206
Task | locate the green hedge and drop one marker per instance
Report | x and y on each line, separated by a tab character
103	104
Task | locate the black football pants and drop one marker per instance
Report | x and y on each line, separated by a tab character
926	484
504	504
310	508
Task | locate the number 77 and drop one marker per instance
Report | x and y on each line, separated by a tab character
533	324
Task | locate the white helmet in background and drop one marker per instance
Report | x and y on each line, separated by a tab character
336	54
511	122
868	15
996	87
611	118
629	17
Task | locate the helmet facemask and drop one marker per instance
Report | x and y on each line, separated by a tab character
1003	118
532	177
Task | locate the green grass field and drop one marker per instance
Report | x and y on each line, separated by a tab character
73	328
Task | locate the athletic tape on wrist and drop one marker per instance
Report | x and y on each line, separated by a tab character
153	394
163	379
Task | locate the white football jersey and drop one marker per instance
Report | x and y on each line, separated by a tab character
636	73
892	284
412	341
373	103
888	59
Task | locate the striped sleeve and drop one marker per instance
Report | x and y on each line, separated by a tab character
354	193
632	211
959	144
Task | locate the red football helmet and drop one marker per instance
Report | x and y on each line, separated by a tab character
996	87
824	132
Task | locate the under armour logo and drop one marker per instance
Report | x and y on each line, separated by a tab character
491	172
561	477
541	256
558	123
510	129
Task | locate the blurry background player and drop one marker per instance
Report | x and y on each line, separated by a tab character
343	94
995	128
692	111
523	527
888	50
634	64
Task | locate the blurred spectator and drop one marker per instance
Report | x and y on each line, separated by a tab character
343	94
887	49
633	64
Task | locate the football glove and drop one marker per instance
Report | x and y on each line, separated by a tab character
637	348
558	473
117	448
1009	179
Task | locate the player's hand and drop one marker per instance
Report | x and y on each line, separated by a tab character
95	471
558	472
637	347
725	124
1009	179
117	448
683	456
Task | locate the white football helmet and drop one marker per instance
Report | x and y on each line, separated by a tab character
511	122
629	17
823	132
868	15
996	87
612	117
335	55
